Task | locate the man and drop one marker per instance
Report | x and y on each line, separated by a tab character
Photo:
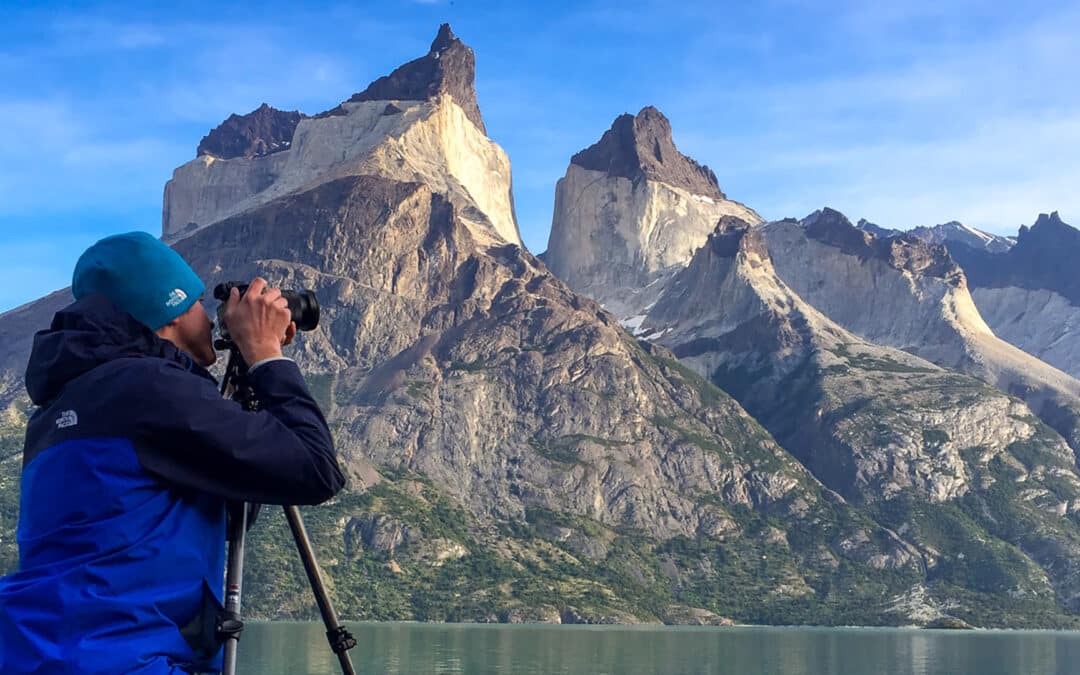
129	460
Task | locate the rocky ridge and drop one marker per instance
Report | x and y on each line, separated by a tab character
885	429
915	299
952	232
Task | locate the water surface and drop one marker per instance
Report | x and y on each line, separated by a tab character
410	648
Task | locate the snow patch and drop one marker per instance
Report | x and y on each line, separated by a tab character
633	323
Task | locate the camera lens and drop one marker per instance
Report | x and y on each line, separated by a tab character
304	307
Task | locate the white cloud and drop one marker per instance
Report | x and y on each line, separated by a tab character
61	162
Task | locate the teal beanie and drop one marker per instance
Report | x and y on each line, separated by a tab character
140	275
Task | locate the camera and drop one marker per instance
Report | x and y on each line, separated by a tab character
303	305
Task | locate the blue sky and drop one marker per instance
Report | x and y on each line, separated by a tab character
903	113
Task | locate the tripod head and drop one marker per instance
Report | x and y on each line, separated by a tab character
236	377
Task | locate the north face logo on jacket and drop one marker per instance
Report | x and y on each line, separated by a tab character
67	418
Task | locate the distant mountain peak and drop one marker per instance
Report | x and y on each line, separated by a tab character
875	229
449	67
642	146
262	131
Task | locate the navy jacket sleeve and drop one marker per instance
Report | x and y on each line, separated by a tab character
189	436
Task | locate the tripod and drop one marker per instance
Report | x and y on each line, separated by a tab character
230	625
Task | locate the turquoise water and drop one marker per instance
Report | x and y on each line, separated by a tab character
300	648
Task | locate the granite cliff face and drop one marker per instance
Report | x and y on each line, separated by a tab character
1030	294
426	130
631	210
906	439
513	453
905	293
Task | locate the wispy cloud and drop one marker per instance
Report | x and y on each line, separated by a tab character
982	129
86	33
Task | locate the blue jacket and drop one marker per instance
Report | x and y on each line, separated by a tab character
128	462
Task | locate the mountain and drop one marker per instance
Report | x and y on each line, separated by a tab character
1030	294
934	455
631	210
905	293
958	233
952	232
513	453
419	124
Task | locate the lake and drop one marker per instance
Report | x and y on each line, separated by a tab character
281	648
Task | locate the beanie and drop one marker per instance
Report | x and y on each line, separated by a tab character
139	274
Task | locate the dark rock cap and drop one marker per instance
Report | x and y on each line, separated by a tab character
733	235
449	67
641	146
263	131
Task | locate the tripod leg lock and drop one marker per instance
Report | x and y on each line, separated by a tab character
229	627
340	639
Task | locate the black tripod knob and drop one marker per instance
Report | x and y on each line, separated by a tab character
229	628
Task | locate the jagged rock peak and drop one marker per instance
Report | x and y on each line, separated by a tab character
904	251
1052	219
642	146
1048	225
262	131
448	68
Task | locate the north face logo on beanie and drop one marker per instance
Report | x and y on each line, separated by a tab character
175	298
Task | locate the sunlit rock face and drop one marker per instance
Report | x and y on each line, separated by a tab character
630	210
419	124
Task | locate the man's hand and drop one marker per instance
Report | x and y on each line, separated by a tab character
259	322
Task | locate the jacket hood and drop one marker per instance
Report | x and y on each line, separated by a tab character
84	335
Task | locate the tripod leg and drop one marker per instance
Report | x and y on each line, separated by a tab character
340	639
231	625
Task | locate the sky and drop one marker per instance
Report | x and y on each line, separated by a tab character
903	113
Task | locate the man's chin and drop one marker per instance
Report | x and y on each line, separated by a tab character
207	360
